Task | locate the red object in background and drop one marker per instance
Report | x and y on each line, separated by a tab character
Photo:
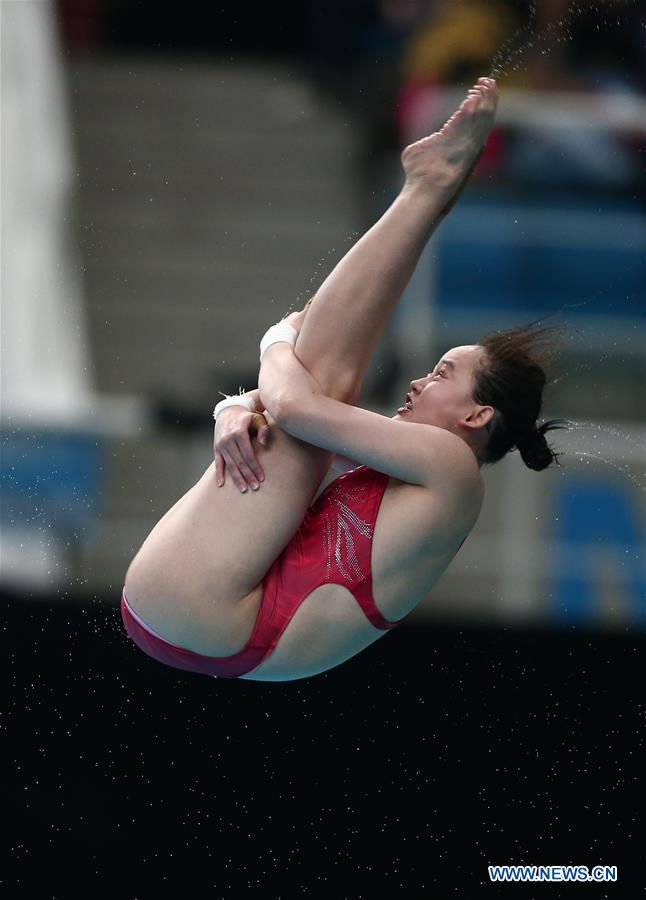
493	157
81	25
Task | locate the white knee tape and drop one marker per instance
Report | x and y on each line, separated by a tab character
279	332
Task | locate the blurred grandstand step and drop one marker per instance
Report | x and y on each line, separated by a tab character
212	199
102	415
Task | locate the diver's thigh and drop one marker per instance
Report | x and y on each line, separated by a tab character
214	547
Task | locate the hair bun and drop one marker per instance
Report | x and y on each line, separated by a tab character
534	449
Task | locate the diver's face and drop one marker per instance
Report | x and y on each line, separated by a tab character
444	396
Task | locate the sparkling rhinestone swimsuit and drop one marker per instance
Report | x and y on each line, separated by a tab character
332	546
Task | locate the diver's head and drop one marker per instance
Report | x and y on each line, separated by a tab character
490	394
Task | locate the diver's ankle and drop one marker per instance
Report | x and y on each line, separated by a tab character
433	198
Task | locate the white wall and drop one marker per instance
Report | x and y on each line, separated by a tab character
44	353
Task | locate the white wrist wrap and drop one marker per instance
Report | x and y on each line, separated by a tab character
279	332
235	400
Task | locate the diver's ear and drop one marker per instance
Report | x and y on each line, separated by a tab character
479	417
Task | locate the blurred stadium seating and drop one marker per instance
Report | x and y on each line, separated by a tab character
209	198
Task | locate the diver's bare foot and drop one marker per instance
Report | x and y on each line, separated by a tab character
443	161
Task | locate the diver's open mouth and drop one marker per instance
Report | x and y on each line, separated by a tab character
408	405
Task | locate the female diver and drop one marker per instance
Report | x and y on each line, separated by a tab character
259	584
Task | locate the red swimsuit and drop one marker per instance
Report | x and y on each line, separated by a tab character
332	546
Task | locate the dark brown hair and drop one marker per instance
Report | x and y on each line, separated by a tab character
511	377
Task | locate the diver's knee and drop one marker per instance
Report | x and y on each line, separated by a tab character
344	387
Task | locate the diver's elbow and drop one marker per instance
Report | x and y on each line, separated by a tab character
285	409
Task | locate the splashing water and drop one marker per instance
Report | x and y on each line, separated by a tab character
607	429
506	52
609	462
599	456
508	57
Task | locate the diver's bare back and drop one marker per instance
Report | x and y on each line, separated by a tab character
417	534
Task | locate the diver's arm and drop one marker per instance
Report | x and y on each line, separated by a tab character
412	452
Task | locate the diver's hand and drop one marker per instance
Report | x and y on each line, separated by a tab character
233	449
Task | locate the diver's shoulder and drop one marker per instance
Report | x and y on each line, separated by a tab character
455	457
458	476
